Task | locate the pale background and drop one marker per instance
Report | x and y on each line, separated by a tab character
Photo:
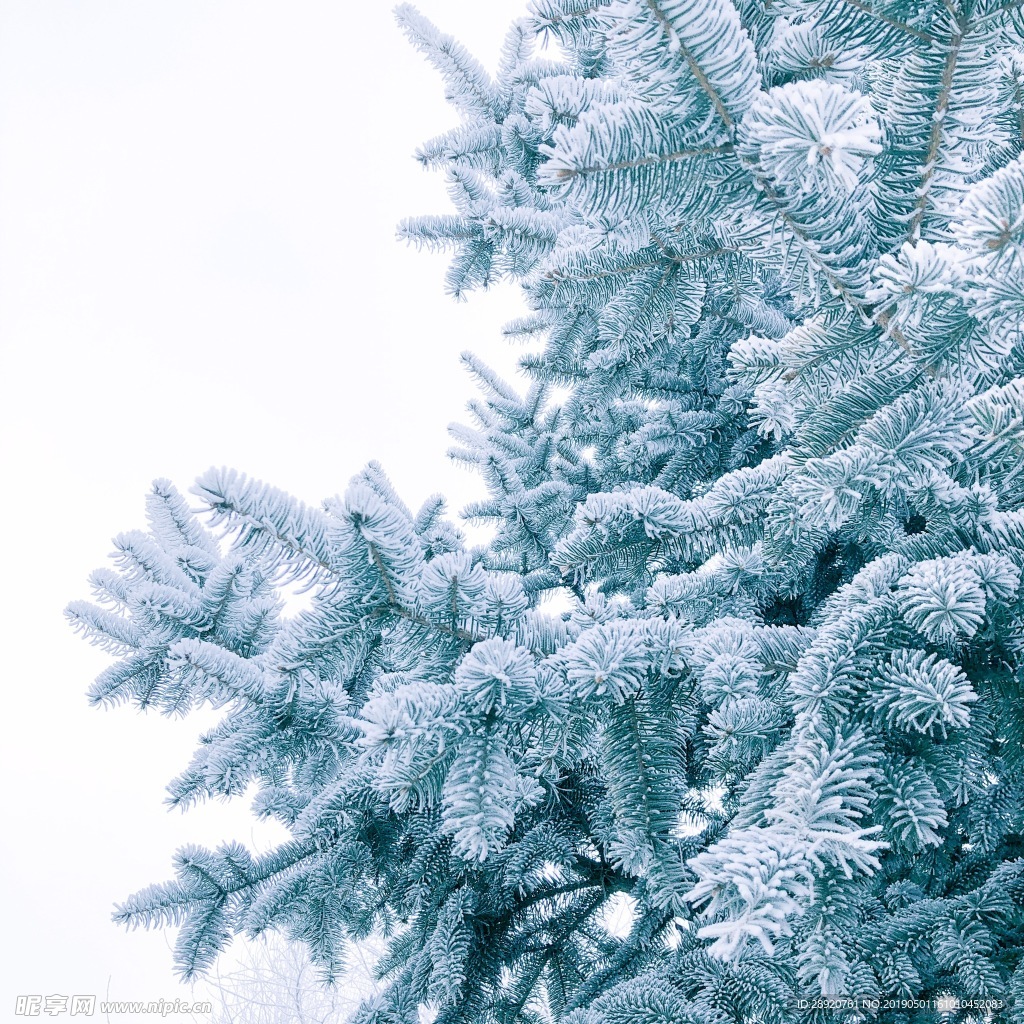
197	266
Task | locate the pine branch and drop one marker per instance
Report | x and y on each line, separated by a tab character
891	22
693	65
936	136
563	174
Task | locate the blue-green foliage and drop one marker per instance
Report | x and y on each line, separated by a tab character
770	453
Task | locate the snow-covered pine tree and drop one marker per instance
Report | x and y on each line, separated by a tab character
773	452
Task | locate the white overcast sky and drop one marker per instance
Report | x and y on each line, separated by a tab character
198	266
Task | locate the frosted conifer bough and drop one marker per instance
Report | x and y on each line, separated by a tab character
772	260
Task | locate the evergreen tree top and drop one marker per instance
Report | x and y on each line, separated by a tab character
773	253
